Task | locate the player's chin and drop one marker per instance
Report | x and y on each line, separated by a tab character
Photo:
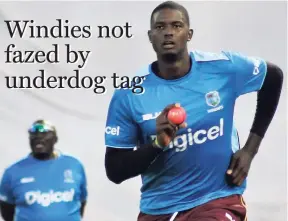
41	155
171	52
169	55
42	150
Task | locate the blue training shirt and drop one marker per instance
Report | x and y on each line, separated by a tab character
45	190
192	171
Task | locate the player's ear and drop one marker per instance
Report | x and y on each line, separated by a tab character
190	34
149	35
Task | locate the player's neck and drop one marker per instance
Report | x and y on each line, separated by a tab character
174	69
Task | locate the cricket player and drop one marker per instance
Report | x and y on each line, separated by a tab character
46	185
197	170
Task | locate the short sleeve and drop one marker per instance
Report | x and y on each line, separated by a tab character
6	193
120	130
83	187
249	72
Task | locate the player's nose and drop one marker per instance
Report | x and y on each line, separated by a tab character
168	32
168	35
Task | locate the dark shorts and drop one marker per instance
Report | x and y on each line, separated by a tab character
232	208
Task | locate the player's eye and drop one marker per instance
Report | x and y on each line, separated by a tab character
159	27
177	26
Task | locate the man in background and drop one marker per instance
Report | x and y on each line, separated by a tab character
46	185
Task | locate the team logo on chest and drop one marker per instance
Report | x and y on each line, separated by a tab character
68	176
213	100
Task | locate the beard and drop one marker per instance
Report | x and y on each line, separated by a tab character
173	57
170	57
42	156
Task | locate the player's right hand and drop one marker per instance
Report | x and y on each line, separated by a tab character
166	130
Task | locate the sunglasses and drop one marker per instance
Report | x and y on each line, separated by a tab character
41	127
